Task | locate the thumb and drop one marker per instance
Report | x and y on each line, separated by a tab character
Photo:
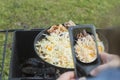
100	68
67	76
105	57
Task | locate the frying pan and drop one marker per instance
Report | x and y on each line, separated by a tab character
39	37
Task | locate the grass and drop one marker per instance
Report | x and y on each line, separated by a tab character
17	14
43	13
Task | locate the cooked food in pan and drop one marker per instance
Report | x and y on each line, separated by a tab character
85	47
55	48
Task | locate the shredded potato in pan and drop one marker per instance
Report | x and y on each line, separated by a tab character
85	47
55	48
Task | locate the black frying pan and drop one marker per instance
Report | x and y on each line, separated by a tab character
39	37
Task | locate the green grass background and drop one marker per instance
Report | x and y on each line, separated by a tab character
16	14
43	13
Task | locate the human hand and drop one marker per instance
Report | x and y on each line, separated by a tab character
109	61
69	76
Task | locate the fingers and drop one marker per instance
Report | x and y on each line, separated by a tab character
104	58
67	76
109	61
100	68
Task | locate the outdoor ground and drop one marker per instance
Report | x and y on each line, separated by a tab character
17	14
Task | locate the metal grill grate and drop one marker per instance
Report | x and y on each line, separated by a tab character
3	48
25	63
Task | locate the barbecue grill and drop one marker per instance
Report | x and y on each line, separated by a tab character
24	63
